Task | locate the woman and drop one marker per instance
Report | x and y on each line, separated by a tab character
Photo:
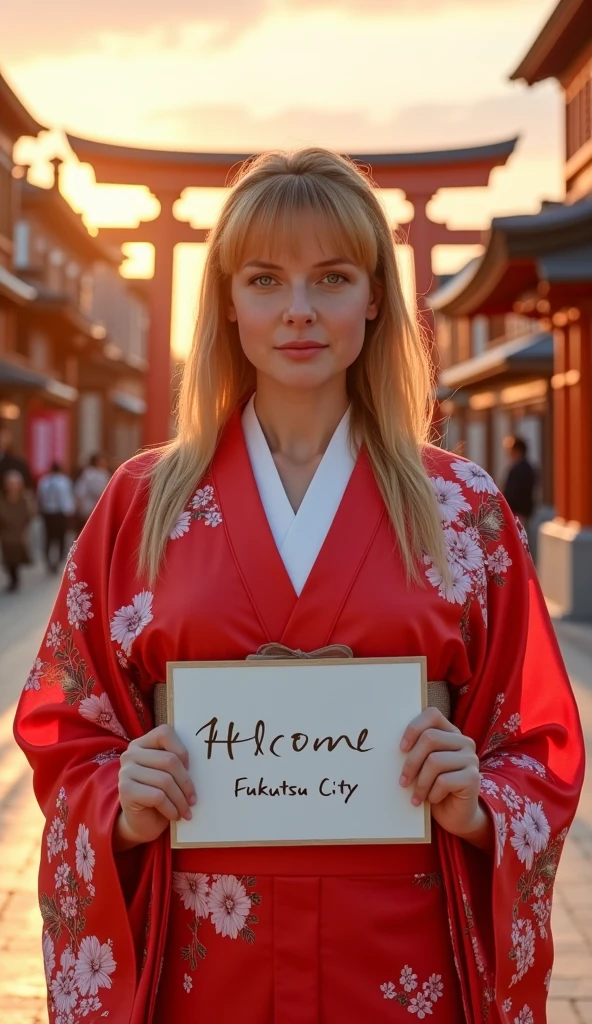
15	516
301	503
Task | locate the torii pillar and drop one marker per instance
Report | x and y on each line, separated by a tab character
167	174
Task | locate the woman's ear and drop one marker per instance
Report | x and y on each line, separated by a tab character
376	293
231	313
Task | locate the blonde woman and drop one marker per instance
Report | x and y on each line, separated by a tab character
301	504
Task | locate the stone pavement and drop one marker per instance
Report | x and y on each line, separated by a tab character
22	987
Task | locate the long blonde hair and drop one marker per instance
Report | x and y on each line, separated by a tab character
389	385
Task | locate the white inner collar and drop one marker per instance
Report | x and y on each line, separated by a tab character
299	536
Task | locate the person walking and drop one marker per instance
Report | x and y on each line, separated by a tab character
521	480
15	515
55	500
9	461
89	486
302	505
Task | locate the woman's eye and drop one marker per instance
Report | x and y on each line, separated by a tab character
264	280
333	274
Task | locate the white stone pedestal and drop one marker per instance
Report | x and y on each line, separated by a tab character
564	568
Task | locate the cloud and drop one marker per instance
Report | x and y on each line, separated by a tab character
535	115
40	28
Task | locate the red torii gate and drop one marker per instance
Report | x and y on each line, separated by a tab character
167	174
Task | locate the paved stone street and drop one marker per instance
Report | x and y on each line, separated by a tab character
22	986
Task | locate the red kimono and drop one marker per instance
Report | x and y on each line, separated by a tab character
314	934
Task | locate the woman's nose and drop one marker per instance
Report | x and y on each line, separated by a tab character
299	310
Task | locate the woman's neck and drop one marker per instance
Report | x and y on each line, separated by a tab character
298	425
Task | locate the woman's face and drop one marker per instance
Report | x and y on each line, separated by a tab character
302	319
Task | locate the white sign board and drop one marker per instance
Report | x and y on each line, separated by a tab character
297	752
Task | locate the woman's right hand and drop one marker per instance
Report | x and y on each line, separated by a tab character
154	787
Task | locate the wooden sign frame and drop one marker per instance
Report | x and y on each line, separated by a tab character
286	665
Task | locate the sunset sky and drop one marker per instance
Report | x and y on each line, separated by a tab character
242	75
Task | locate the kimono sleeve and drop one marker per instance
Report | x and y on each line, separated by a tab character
520	710
78	710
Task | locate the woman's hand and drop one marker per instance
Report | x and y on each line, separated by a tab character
443	768
154	787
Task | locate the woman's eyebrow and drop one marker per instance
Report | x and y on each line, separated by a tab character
276	266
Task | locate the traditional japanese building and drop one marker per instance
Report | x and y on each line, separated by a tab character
514	329
72	330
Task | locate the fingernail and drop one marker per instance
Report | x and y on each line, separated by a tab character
193	799
404	744
416	801
403	780
187	815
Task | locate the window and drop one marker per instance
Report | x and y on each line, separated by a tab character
6	199
578	111
22	238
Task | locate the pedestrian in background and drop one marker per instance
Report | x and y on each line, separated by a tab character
55	499
521	480
9	461
90	485
16	513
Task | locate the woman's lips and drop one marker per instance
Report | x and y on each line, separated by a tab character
302	349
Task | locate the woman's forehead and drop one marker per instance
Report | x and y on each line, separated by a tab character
308	239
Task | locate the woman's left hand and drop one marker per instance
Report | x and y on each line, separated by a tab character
443	768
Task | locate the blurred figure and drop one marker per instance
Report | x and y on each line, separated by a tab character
9	461
521	480
55	499
90	485
16	513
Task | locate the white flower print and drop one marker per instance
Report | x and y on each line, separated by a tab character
35	675
202	497
79	603
71	567
525	1016
523	940
193	889
48	956
213	516
187	982
474	477
463	549
522	841
420	1005
89	1005
433	987
501	831
121	658
181	526
499	561
530	763
507	1005
64	991
459	587
55	636
450	499
388	990
511	798
489	786
69	906
536	822
523	534
477	954
513	723
91	891
62	876
408	979
56	841
108	755
129	621
539	889
85	855
94	964
542	912
228	905
548	979
67	959
100	710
